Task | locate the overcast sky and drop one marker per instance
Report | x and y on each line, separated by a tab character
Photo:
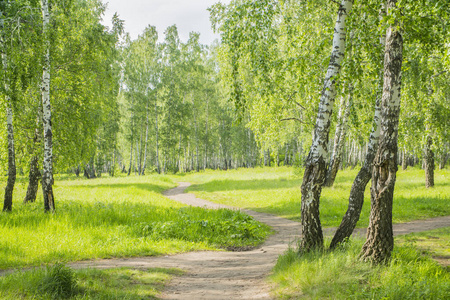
188	15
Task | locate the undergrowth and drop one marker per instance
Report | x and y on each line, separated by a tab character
341	275
61	282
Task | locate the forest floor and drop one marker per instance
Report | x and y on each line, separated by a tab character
235	275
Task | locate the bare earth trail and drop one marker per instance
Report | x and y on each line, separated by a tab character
232	275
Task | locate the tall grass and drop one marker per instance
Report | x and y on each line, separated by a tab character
60	282
341	275
277	191
116	217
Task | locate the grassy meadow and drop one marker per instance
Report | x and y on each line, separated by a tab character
128	216
59	282
410	274
277	191
116	217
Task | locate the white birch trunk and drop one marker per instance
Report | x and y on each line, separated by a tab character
7	204
315	170
47	179
146	142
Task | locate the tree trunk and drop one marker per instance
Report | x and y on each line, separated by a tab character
33	180
315	165
158	169
356	198
443	161
339	139
47	179
429	164
380	241
206	137
404	160
7	204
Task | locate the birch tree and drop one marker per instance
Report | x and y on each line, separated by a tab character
47	178
380	241
315	165
7	205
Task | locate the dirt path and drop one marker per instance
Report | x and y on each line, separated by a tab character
232	275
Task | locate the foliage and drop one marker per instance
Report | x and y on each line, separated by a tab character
229	229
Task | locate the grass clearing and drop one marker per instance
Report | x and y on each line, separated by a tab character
110	284
340	275
116	217
277	191
435	242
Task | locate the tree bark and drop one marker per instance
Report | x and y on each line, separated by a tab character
339	139
34	175
356	198
7	204
315	165
429	164
380	241
47	178
158	169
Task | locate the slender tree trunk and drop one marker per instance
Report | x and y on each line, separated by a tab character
429	163
47	179
443	160
315	165
206	137
404	160
339	139
7	204
34	175
146	140
158	169
380	241
131	157
356	199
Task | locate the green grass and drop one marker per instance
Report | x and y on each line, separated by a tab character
277	191
119	283
341	275
435	242
116	217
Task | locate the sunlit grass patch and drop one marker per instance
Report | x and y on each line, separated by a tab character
118	283
435	242
277	191
341	275
117	217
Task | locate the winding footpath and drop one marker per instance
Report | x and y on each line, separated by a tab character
232	275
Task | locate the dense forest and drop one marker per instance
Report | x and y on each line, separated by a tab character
79	97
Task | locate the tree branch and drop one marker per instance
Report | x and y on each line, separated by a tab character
438	74
294	119
336	2
300	105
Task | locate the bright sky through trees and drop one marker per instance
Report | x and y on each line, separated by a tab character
187	15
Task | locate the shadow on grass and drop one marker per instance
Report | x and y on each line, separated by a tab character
142	186
250	184
125	283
